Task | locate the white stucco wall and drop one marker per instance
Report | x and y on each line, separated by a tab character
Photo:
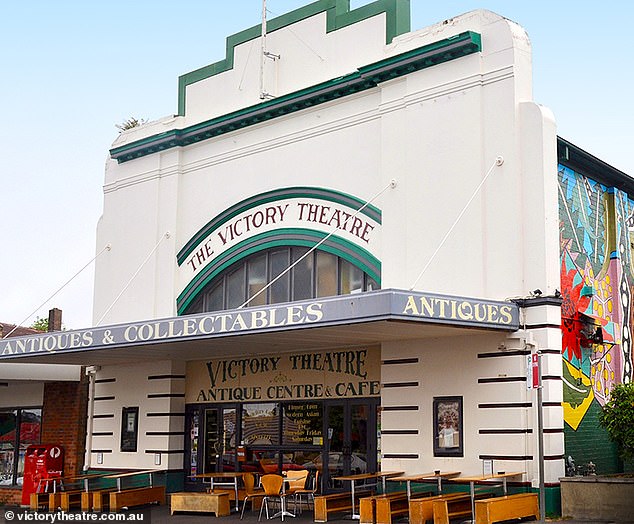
437	132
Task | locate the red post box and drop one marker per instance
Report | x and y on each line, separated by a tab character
41	461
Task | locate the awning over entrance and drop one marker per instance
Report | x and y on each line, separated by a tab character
346	320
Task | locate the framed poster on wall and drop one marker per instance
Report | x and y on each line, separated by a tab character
129	428
448	432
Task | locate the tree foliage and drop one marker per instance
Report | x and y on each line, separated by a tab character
617	418
41	324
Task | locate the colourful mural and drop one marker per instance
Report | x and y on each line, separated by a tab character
597	274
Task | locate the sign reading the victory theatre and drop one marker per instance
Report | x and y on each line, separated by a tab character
301	214
293	376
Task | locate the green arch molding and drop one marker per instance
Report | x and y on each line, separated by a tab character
275	195
338	15
335	245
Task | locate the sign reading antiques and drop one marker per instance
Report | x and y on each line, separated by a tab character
341	310
294	376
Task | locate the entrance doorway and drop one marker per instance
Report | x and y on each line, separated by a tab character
333	437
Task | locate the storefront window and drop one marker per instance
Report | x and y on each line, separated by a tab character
260	424
19	428
279	290
303	424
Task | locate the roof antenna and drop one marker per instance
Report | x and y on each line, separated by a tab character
264	55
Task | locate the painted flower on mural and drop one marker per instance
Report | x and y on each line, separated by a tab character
573	302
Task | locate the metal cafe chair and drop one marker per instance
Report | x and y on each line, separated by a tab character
310	488
251	491
272	484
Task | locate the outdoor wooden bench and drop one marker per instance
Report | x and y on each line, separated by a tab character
217	503
367	506
38	500
421	509
508	507
388	507
136	497
445	509
333	503
54	501
96	500
69	499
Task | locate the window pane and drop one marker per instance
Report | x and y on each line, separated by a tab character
260	424
278	262
351	278
303	424
235	288
326	274
215	299
257	280
7	446
302	275
30	425
371	284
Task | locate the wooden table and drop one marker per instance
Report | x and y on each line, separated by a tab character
234	475
424	477
494	479
353	479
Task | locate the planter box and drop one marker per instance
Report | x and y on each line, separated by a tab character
597	498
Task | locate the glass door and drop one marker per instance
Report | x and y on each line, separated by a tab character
351	442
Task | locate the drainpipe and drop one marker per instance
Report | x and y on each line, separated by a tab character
91	372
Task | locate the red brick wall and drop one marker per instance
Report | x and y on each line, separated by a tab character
10	496
64	421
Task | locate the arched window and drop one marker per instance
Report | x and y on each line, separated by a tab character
320	274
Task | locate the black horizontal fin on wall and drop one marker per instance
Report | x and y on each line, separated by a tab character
102	433
552	404
400	455
509	431
553	430
505	457
105	415
504	354
110	397
399	432
506	405
165	414
167	377
104	380
400	384
101	451
550	377
554	457
394	361
550	352
166	395
164	433
399	408
166	451
543	326
493	380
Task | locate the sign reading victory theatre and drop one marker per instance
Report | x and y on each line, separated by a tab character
301	216
345	373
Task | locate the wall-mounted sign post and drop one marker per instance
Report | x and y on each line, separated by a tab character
534	381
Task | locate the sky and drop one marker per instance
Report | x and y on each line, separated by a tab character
72	70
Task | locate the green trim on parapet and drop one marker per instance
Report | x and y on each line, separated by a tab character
364	78
276	195
335	245
338	15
